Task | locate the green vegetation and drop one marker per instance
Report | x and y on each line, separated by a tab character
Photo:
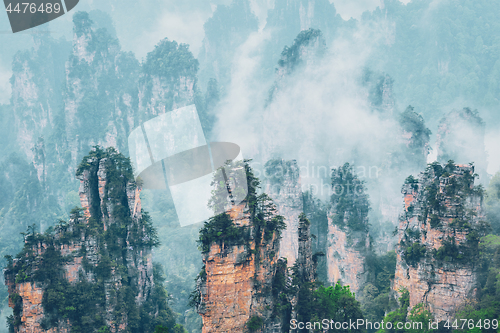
376	298
316	213
451	251
105	256
437	51
350	204
170	60
457	191
486	304
307	304
281	292
337	303
24	202
104	81
456	47
221	229
314	301
275	170
265	227
255	323
414	251
290	57
417	316
412	181
413	123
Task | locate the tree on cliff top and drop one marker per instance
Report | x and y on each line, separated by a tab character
292	56
350	203
170	60
263	213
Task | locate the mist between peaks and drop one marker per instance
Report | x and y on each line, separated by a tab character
310	170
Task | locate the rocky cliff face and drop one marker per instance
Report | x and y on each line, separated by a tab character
96	271
379	91
345	263
240	250
408	156
168	81
284	187
306	266
236	278
415	136
100	99
316	212
348	238
69	97
246	286
438	238
37	77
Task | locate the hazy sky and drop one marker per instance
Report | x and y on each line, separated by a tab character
350	8
180	21
354	8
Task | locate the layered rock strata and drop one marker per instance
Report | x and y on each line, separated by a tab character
438	238
234	278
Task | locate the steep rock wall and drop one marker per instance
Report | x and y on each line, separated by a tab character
97	112
90	251
168	80
37	76
438	238
284	187
345	263
348	238
237	279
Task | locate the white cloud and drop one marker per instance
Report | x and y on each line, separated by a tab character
492	142
183	27
320	116
244	98
354	8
